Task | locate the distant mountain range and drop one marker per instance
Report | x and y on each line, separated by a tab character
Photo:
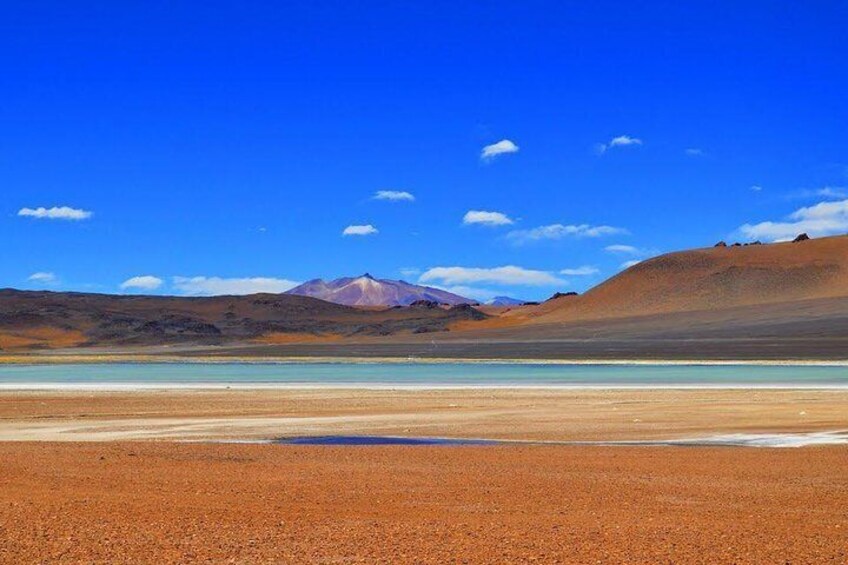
365	290
42	320
781	300
505	301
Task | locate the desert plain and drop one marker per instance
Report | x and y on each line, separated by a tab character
179	475
160	476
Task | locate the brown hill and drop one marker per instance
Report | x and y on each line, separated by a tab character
62	319
716	278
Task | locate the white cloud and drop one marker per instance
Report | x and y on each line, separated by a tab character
694	152
560	231
410	271
507	275
486	218
43	277
55	213
142	282
620	141
626	249
832	192
828	192
632	262
623	140
584	271
472	292
214	286
756	188
822	219
394	195
367	229
502	147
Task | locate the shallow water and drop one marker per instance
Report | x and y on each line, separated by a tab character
381	440
418	375
774	440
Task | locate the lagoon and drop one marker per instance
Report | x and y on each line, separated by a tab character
418	375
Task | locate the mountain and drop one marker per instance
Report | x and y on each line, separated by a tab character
711	279
505	301
776	301
365	290
38	319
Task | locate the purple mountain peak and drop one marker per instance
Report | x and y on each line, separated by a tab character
366	290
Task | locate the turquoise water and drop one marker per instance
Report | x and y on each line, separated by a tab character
414	374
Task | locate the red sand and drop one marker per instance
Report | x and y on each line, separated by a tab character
167	502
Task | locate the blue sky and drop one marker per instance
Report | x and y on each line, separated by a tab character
226	147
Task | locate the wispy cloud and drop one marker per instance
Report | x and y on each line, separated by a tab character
560	231
624	249
694	152
756	188
507	275
636	254
620	141
410	271
832	192
142	282
214	286
584	271
829	192
486	218
394	196
502	147
366	229
43	277
55	213
822	219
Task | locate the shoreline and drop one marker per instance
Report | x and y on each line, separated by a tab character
98	358
295	387
599	414
775	440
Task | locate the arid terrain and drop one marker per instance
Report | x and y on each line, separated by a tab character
39	320
102	476
187	503
776	301
519	414
140	475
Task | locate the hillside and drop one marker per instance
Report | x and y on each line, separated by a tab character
64	319
366	290
785	300
716	278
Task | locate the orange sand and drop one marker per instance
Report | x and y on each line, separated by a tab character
189	503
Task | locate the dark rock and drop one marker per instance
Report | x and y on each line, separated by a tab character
561	295
428	304
428	329
467	311
801	237
720	244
